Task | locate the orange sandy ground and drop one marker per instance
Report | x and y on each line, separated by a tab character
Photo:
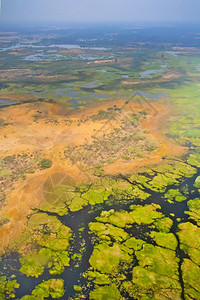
65	128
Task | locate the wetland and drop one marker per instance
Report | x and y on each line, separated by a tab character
99	165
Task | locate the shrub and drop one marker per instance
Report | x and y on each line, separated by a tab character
45	163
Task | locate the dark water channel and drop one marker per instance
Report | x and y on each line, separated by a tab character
75	220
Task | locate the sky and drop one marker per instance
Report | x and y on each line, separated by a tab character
100	10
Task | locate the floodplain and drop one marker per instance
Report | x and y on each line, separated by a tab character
100	164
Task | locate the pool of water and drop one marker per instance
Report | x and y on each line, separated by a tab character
51	56
91	57
125	76
44	56
6	102
69	92
175	53
88	97
92	84
18	46
103	71
64	46
34	92
150	73
76	46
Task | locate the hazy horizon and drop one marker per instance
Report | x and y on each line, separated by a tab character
100	11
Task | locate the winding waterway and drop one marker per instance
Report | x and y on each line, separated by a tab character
75	220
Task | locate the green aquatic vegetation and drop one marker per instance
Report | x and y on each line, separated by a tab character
158	265
120	219
192	133
62	197
139	193
51	239
186	94
146	214
125	190
33	265
77	203
140	179
122	189
135	291
7	288
176	168
197	182
194	210
174	195
88	195
195	141
163	224
166	174
189	236
106	259
77	288
77	256
185	131
96	196
98	278
147	284
191	279
57	260
166	240
156	274
194	159
160	182
108	232
134	244
52	288
159	260
49	232
92	196
105	293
